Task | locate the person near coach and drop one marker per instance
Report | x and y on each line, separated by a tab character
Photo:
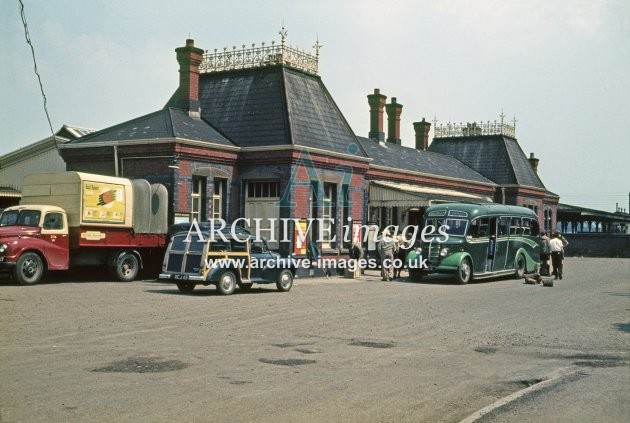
544	254
386	247
556	247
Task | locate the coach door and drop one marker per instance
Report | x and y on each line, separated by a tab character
498	245
500	257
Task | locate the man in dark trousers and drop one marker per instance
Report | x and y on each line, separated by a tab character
556	247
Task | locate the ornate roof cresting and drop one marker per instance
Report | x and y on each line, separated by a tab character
247	57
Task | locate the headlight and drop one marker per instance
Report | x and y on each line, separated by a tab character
3	248
443	252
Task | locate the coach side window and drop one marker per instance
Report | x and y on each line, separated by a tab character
479	227
515	226
504	226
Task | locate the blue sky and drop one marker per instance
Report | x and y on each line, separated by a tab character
561	67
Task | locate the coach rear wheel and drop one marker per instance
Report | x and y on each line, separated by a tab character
519	267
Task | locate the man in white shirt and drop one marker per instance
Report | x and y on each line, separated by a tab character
556	247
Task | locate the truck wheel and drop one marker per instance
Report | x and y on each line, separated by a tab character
186	287
29	269
285	281
126	267
519	269
227	283
464	272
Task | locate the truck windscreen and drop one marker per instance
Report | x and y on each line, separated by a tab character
20	218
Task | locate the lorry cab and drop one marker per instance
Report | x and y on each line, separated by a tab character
33	238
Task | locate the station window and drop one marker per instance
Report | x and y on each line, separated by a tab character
217	198
263	189
197	198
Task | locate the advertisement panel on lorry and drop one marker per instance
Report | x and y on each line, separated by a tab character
103	202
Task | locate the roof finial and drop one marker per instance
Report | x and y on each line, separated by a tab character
317	46
283	34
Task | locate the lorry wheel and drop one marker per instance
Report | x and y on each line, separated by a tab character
126	267
519	269
285	281
186	287
29	269
464	272
227	283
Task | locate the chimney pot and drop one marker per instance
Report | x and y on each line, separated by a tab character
377	103
189	59
393	121
533	161
422	134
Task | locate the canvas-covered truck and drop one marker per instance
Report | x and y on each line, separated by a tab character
70	219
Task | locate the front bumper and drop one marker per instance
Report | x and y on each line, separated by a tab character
6	266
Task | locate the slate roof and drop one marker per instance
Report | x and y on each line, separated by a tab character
498	158
406	158
275	105
165	123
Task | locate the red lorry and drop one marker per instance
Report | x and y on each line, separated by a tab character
69	219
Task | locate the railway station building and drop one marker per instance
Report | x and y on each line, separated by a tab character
254	133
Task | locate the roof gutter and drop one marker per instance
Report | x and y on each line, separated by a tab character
185	141
296	147
432	175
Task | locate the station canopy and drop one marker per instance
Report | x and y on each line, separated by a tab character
397	194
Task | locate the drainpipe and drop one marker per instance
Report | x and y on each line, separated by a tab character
502	195
116	161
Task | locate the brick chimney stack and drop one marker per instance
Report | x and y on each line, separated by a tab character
189	59
393	110
422	134
377	103
533	161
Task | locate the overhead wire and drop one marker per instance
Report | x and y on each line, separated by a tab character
39	79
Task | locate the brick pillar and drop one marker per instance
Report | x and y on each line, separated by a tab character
393	110
377	103
422	134
189	59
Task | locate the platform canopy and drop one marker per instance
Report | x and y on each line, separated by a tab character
397	194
